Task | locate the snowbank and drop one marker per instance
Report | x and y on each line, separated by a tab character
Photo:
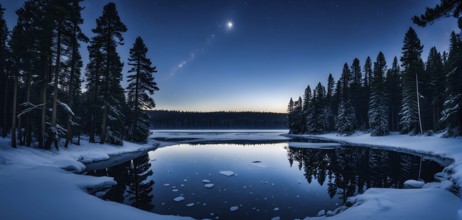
33	184
422	204
428	203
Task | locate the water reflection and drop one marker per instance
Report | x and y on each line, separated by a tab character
268	180
133	186
351	170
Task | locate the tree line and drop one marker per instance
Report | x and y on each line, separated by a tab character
41	82
411	97
163	119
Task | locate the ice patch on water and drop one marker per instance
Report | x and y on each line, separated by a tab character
227	173
190	204
233	208
209	185
178	199
205	181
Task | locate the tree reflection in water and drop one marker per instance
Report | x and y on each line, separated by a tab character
348	171
134	183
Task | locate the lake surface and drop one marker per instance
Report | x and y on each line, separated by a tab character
257	181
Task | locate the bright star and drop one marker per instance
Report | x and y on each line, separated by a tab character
229	25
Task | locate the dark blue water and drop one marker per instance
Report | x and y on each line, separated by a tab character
269	180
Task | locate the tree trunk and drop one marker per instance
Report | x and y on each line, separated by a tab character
135	118
71	89
106	92
94	106
28	118
5	108
418	102
53	131
13	123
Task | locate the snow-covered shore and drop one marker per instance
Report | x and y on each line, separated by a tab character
398	203
34	184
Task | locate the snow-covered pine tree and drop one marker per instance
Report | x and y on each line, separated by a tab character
290	115
435	70
451	116
109	29
366	90
412	67
141	86
393	94
73	68
346	115
331	105
356	75
306	106
315	118
30	44
92	97
378	106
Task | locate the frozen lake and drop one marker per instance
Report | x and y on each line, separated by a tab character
257	181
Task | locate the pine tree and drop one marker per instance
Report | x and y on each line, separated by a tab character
365	92
393	94
331	105
74	66
93	99
451	116
378	106
3	73
445	9
315	118
435	70
290	115
306	105
346	115
356	91
141	85
109	29
411	62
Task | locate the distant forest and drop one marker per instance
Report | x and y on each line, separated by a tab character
163	119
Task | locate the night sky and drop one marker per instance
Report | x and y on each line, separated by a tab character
271	52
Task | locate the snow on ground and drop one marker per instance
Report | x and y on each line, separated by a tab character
422	204
33	184
428	203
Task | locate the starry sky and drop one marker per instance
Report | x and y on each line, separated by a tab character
254	55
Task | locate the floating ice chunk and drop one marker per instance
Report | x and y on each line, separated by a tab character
276	209
258	164
167	184
205	181
227	173
174	190
190	204
178	199
413	184
209	185
276	218
233	208
321	213
186	180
